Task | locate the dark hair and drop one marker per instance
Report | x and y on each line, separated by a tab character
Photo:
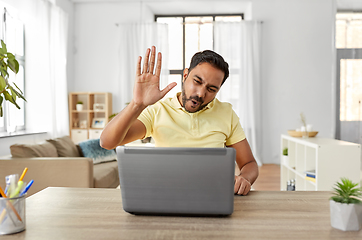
213	58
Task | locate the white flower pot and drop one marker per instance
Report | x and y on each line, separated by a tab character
285	160
79	107
345	217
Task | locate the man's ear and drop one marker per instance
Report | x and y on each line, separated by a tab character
185	74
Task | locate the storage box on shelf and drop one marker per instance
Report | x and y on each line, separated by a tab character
330	159
89	122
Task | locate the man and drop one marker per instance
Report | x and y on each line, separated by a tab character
193	118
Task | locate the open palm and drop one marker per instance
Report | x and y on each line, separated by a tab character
147	85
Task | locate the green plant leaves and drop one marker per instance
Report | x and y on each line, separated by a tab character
344	190
18	89
285	151
1	106
8	60
2	83
13	63
3	46
15	93
11	99
4	72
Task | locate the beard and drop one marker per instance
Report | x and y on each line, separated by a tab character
195	97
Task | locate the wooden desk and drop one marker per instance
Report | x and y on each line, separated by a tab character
89	213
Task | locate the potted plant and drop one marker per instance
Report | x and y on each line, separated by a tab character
79	106
346	206
285	156
8	92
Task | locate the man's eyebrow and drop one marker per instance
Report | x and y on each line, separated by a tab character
212	86
199	78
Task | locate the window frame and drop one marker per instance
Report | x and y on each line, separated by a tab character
21	61
184	16
344	53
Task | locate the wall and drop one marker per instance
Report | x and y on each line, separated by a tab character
297	68
95	56
6	142
297	56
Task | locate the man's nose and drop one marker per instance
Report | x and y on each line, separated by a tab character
201	93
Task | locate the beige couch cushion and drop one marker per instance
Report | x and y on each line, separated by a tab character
65	147
106	175
44	149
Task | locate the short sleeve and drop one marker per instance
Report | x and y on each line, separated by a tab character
147	118
237	133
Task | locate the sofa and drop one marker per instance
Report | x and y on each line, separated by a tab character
61	163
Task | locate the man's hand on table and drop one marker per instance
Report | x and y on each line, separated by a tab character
241	185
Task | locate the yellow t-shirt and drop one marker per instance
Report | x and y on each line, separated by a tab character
170	125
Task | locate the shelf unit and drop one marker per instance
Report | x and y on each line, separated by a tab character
80	122
331	159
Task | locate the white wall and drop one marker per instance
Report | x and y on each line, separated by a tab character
297	55
297	68
6	142
95	56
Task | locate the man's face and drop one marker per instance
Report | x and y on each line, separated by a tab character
200	86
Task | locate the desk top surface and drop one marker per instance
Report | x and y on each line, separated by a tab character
89	213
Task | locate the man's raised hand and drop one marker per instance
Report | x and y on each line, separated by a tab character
147	85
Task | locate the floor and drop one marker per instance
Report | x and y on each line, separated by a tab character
269	178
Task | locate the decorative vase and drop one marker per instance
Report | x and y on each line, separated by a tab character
79	107
345	217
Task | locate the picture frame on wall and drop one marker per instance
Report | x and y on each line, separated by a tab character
98	122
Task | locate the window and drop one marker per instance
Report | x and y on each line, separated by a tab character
349	36
12	32
349	76
349	30
189	34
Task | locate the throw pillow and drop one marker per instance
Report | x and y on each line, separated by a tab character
92	149
65	147
33	150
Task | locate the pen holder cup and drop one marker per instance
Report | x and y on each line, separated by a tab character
12	215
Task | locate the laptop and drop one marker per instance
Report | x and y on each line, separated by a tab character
177	181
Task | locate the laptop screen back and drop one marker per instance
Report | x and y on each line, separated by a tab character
163	181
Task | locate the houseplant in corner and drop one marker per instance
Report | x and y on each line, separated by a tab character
8	92
346	206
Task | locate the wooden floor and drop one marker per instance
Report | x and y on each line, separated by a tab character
269	178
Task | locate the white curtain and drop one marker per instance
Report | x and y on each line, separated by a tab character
134	39
45	71
239	43
58	79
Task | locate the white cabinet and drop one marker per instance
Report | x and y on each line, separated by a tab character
94	133
330	159
79	135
